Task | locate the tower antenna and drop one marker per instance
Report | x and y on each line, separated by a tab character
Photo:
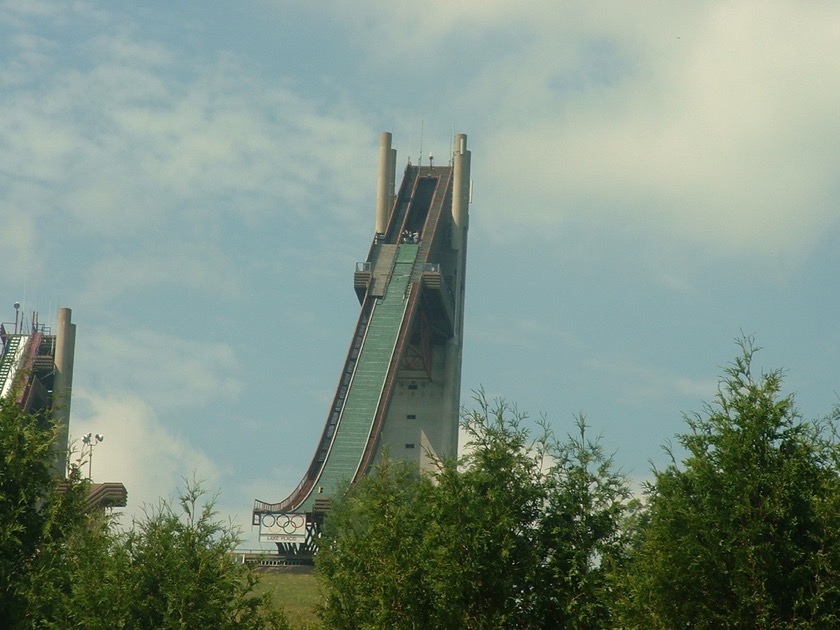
410	133
420	160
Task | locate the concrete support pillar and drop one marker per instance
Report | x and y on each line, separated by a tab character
460	191
393	184
384	186
65	346
455	345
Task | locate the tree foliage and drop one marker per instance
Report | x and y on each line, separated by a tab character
519	532
173	569
591	510
371	556
746	533
63	565
43	524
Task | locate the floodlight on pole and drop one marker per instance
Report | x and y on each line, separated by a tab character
91	439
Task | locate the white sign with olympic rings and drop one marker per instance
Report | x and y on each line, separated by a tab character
280	527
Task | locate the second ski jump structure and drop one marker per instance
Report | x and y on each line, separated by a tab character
36	372
400	384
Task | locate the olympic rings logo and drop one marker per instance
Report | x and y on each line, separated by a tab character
286	523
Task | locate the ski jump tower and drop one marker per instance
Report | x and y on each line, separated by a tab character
401	381
36	369
36	372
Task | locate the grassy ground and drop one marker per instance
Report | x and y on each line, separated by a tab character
295	589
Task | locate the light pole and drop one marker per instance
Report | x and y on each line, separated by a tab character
91	439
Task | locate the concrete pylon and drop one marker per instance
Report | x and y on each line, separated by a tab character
65	345
460	191
384	183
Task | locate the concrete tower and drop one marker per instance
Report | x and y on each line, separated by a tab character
399	388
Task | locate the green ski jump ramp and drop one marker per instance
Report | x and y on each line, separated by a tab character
400	385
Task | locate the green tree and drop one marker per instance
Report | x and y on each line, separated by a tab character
63	565
173	570
81	592
585	535
746	533
482	538
371	557
42	520
517	533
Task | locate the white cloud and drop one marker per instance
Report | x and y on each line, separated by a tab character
14	10
17	240
170	372
724	136
638	383
713	123
127	137
197	267
138	450
154	463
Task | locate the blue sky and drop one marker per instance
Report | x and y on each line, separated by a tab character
197	180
